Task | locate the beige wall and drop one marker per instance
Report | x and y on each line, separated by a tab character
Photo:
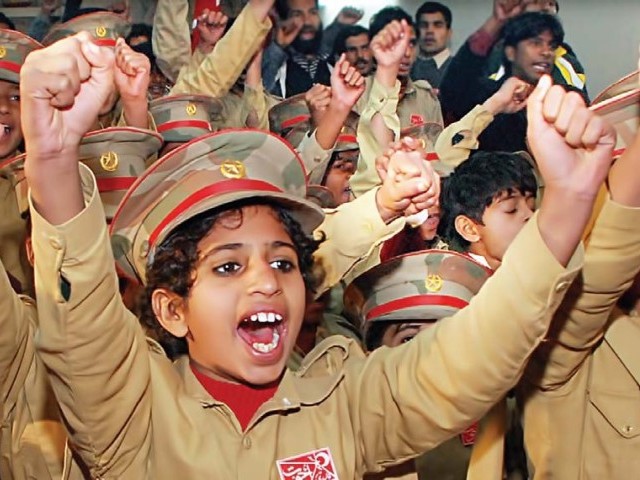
604	33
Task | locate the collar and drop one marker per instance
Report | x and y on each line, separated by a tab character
296	389
410	88
441	57
480	259
438	58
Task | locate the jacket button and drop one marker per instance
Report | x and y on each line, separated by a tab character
562	286
55	243
246	443
627	429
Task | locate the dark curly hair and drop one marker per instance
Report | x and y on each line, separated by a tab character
176	259
475	184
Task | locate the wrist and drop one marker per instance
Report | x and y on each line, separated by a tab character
387	75
387	213
206	47
338	106
492	106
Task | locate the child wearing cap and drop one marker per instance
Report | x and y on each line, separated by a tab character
222	247
32	438
490	198
396	300
14	48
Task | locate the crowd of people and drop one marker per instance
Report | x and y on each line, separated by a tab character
237	244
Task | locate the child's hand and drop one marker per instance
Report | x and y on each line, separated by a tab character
572	145
510	98
318	99
347	84
391	43
211	26
62	88
409	183
132	72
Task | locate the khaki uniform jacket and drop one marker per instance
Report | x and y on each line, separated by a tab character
581	395
213	74
12	235
32	439
419	104
134	415
555	435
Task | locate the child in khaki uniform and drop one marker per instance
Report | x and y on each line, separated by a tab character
222	247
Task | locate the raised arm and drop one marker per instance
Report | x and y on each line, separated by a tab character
92	345
221	68
379	123
413	397
172	36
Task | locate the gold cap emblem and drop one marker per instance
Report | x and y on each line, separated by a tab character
109	161
233	169
101	31
192	109
3	52
433	283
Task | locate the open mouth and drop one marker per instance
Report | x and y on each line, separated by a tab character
542	67
5	131
263	332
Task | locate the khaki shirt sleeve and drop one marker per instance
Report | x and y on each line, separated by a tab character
256	110
408	399
385	102
456	142
92	345
171	37
612	260
17	319
221	68
314	157
352	232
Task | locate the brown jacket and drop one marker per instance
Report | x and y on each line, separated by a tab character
582	401
134	415
32	439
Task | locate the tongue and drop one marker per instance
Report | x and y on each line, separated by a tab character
261	334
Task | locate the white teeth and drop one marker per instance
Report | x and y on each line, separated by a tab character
264	317
267	347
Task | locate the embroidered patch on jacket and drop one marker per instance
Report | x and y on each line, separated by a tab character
416	119
468	437
315	465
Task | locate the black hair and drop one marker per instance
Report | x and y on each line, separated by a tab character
530	25
8	21
140	30
374	333
387	15
435	7
475	184
340	43
177	257
282	8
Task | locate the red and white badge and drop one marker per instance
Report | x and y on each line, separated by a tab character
468	437
416	119
315	465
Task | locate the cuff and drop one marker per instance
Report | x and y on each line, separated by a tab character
314	157
454	144
361	222
529	254
73	239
